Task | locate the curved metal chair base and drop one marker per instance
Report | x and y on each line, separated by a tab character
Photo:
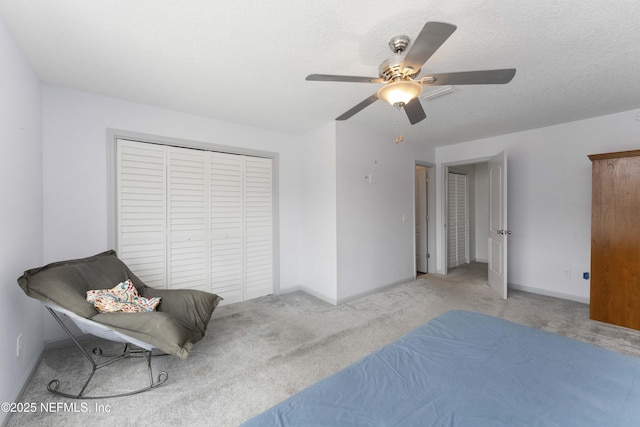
53	385
126	353
132	352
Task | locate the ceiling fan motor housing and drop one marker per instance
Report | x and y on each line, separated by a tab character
393	69
399	44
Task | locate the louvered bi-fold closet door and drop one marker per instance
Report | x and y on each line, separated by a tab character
196	219
258	227
227	226
452	237
241	227
458	235
188	219
141	212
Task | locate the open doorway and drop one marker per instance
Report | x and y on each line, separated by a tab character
424	227
467	219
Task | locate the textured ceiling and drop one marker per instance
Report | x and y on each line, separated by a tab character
245	61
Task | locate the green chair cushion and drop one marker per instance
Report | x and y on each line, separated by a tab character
180	321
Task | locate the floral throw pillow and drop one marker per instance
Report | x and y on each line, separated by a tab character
123	297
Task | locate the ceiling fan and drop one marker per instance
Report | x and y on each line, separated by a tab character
399	73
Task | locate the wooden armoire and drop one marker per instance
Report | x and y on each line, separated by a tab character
615	238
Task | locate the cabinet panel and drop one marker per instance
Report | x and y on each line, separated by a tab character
615	239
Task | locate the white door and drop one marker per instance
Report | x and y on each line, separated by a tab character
227	226
258	227
421	220
187	220
142	210
498	231
196	219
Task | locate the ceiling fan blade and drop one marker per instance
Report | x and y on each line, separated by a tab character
486	77
414	111
361	106
336	78
431	37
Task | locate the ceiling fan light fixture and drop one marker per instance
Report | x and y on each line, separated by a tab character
400	92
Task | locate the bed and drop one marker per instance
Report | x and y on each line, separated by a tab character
469	369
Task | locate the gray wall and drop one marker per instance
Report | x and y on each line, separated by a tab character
375	218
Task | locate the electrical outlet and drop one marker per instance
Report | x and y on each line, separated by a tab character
19	345
566	273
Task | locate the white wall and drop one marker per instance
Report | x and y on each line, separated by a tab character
75	198
319	246
549	197
375	246
20	216
75	175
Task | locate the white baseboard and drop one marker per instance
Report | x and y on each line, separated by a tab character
26	379
373	291
561	295
349	298
529	289
309	291
65	341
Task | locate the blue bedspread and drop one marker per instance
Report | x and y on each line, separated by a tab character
469	369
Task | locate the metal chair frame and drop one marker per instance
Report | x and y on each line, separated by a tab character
141	349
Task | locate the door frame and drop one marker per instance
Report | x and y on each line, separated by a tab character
443	209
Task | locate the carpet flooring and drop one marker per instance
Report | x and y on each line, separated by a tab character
259	352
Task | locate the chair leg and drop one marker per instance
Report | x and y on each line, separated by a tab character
127	352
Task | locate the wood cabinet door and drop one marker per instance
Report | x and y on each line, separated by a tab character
615	239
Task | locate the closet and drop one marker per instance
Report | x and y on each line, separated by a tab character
458	220
196	219
615	238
